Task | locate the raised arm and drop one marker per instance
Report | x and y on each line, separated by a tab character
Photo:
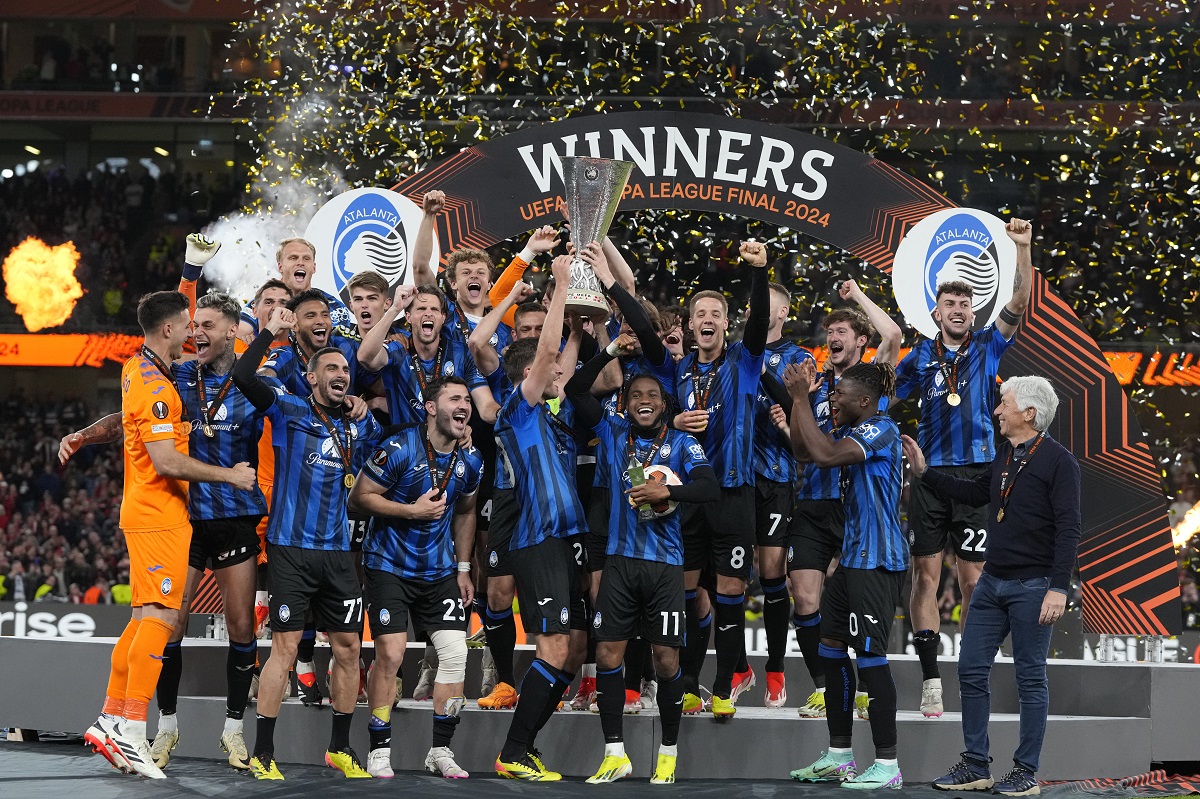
372	352
1021	232
432	204
619	267
632	311
755	336
479	343
818	447
197	252
588	409
105	430
889	332
543	240
541	372
245	375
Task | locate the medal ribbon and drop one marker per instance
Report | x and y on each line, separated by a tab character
222	392
165	370
437	365
440	482
1006	486
559	423
631	448
703	385
951	375
345	450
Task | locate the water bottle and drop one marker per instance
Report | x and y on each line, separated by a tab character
637	477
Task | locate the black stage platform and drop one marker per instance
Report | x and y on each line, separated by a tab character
1107	721
52	770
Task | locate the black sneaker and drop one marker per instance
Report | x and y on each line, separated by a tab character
965	776
1018	782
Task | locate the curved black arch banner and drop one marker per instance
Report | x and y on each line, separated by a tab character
506	186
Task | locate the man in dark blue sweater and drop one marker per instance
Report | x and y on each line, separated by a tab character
1032	490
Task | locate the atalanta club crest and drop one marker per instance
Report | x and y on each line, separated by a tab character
956	244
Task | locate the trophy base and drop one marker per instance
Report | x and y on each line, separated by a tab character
587	303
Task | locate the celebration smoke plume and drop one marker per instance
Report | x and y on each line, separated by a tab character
280	208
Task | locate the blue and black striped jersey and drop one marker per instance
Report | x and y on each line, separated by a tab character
406	403
417	550
657	539
290	366
955	435
236	428
871	498
729	439
536	453
308	505
773	458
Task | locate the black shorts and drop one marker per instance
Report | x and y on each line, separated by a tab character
935	521
394	601
318	580
505	513
596	541
719	536
815	537
858	605
774	508
550	585
221	543
640	598
483	499
360	528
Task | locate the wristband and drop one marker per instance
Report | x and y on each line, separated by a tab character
191	272
527	255
464	566
1009	317
612	349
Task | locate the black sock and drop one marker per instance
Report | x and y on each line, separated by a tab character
565	678
927	643
635	657
443	729
695	645
239	674
776	611
308	643
670	707
591	649
168	679
808	637
536	689
381	731
502	640
876	677
730	640
264	738
840	686
610	696
339	737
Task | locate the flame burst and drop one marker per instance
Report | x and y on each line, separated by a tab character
40	281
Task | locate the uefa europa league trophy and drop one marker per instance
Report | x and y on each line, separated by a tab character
593	192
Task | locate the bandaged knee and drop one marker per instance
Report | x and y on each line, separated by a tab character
451	646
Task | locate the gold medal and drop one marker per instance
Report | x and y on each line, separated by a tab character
208	431
348	481
1000	515
953	399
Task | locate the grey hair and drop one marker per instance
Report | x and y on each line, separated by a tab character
1033	392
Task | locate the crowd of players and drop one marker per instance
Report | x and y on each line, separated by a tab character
362	469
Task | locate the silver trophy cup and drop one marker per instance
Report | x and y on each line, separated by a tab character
593	192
